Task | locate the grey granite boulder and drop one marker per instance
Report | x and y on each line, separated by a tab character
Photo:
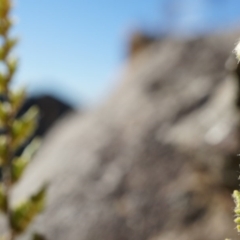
154	161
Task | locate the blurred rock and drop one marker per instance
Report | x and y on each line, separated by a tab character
156	161
51	110
138	42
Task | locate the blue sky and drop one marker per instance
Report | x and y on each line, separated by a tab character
74	48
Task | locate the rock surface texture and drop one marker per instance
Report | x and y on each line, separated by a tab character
156	160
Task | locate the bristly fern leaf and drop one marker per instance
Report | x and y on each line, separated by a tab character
15	133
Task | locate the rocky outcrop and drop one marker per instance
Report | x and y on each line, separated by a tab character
155	161
51	109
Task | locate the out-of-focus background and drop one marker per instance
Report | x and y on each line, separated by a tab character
140	115
73	50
